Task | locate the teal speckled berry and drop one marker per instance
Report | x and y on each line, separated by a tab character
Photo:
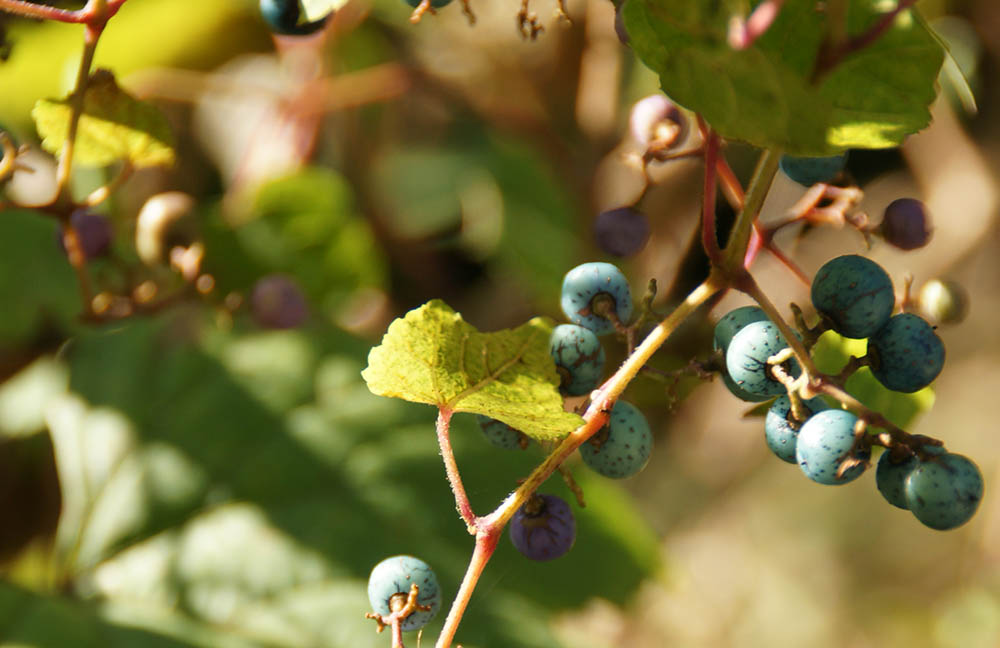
596	279
624	443
906	354
579	358
781	430
283	17
394	576
855	293
747	355
808	171
944	491
733	322
824	442
499	433
890	477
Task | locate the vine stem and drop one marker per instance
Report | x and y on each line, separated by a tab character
486	543
739	238
831	57
90	37
90	14
451	469
709	240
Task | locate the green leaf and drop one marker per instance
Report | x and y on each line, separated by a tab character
832	352
114	126
318	9
433	356
765	95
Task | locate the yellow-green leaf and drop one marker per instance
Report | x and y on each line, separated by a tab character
114	126
433	356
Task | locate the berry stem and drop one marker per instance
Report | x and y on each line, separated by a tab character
397	634
443	426
734	253
708	236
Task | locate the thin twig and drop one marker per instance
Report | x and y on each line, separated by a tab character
451	468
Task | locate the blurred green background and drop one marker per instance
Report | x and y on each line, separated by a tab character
188	479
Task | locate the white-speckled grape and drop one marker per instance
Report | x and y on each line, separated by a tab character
394	576
626	443
579	353
855	293
588	280
781	430
746	359
824	442
944	491
499	433
890	478
906	354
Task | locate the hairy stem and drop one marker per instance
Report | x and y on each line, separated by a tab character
451	469
486	543
42	12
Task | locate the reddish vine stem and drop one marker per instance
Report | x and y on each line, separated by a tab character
91	14
831	57
709	239
743	33
451	469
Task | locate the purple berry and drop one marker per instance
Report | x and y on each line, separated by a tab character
278	303
543	528
621	232
93	230
906	224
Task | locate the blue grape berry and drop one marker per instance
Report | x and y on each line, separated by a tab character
499	433
746	359
277	303
825	441
906	224
590	283
781	430
282	16
621	448
621	232
855	293
93	230
944	492
543	528
890	477
906	354
437	4
389	585
808	171
579	358
730	324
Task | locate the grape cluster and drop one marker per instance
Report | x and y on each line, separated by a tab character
855	298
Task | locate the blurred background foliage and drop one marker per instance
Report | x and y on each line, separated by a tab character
187	479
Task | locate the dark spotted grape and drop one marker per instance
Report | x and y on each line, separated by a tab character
944	491
622	447
747	355
579	358
906	224
781	429
543	528
906	354
277	302
621	232
93	230
390	582
808	171
825	441
730	324
589	283
499	433
855	293
890	477
283	17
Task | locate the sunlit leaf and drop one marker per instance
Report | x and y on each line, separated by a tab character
317	9
433	356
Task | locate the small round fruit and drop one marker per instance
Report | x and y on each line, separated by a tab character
906	354
747	355
389	585
579	358
781	429
855	293
943	301
277	303
622	447
741	393
588	284
733	322
890	477
944	491
543	528
93	230
499	433
437	4
906	224
283	17
621	232
825	441
808	171
657	121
